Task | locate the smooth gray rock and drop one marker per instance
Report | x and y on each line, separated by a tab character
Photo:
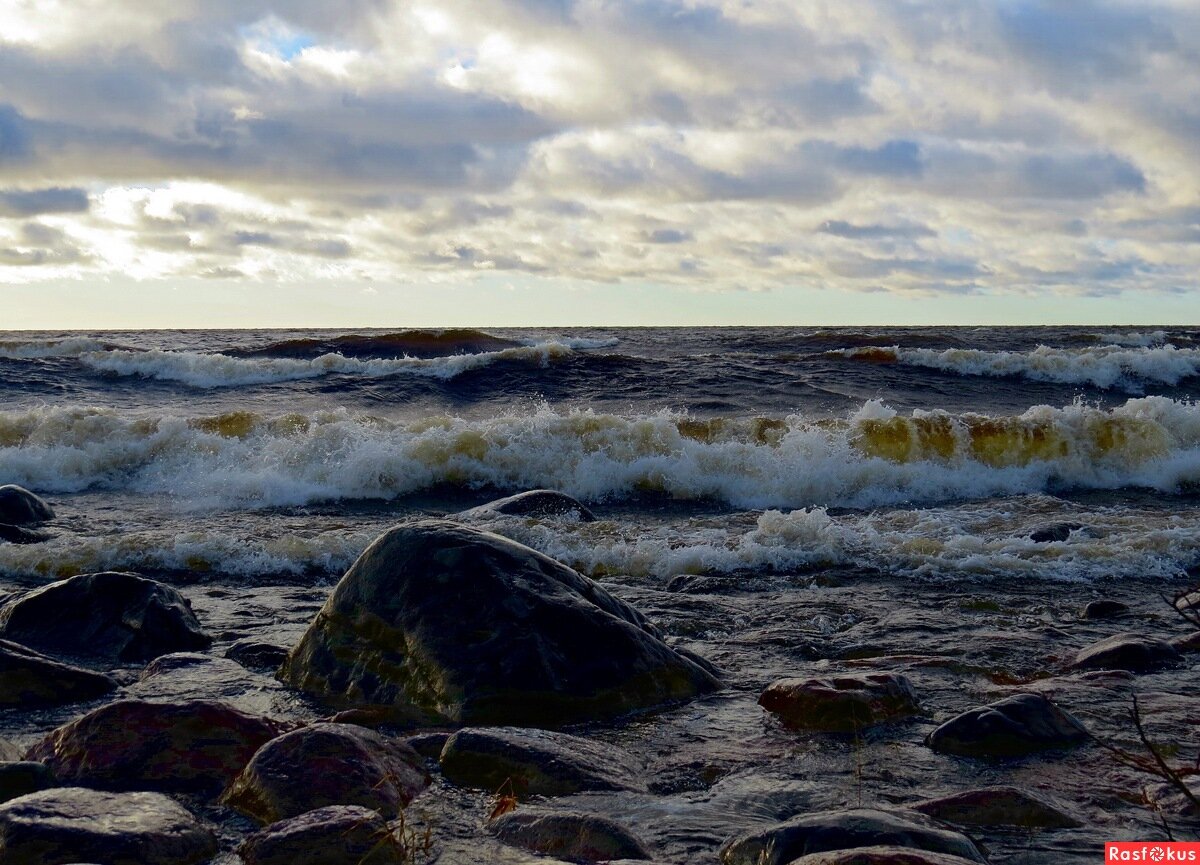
327	764
336	835
447	625
1130	652
841	704
71	824
109	616
569	836
20	507
880	855
193	747
527	762
28	678
998	806
1104	609
533	503
1017	726
839	830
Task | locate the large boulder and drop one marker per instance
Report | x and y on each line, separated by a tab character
327	764
533	503
1130	652
449	625
998	806
71	824
1018	726
20	507
337	835
841	704
108	616
569	836
28	678
536	762
839	830
195	746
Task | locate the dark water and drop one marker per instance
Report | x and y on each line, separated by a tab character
783	501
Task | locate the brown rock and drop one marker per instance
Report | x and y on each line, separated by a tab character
841	704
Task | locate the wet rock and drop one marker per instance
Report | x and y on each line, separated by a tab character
428	745
1170	800
1017	726
184	676
327	764
880	855
448	625
22	535
337	835
1188	601
534	503
1127	652
257	655
1187	644
536	762
107	616
570	836
70	824
28	678
24	777
20	507
1104	609
1054	532
998	806
841	704
196	746
840	830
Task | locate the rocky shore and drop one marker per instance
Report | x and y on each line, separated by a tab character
460	698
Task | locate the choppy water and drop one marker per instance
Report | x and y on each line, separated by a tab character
929	451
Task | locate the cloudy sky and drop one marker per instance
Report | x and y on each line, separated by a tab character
224	162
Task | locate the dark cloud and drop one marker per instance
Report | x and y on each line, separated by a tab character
668	235
14	135
31	202
840	228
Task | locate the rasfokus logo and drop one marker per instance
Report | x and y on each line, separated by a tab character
1152	851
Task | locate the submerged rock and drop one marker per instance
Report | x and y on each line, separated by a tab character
1017	726
449	625
71	824
137	745
327	764
20	507
840	830
1104	609
533	503
998	806
28	678
841	704
880	855
257	655
108	616
536	762
1054	532
1127	652
337	835
569	836
22	535
24	777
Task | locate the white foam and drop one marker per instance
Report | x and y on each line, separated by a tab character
201	369
1106	366
244	460
30	349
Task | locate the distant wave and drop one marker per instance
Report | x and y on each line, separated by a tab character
874	457
31	349
420	343
201	369
1107	367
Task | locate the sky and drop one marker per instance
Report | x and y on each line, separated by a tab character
370	162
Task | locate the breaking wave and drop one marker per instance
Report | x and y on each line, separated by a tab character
873	457
204	370
1106	367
